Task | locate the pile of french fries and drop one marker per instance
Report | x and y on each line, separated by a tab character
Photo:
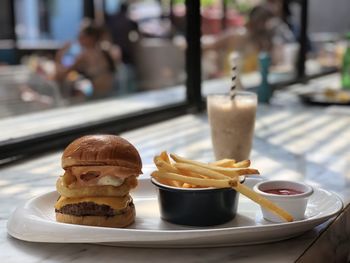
226	173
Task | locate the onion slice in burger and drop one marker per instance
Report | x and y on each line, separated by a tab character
98	190
117	171
92	175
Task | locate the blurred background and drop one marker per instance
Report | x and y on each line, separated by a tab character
55	53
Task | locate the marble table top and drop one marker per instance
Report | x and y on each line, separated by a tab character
291	141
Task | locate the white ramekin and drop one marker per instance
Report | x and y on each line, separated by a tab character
294	204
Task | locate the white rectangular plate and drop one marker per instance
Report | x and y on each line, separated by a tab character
35	221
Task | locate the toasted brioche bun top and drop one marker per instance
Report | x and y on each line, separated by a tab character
97	150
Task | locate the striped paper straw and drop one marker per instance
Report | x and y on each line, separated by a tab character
234	67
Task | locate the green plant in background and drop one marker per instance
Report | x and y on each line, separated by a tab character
178	2
242	6
207	3
345	72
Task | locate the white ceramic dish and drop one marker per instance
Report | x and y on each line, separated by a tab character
294	204
35	221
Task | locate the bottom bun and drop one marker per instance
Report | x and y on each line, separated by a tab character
121	220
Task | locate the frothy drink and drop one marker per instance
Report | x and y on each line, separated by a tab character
232	124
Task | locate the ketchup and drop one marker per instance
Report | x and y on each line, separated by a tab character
283	191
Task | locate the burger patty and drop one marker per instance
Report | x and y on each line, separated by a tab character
91	209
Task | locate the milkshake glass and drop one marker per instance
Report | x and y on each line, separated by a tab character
232	124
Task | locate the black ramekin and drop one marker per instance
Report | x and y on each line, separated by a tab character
196	206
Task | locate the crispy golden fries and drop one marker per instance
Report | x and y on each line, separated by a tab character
165	157
220	174
242	164
163	164
224	163
200	170
231	172
218	183
230	163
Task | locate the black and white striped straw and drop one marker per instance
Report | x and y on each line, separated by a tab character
234	60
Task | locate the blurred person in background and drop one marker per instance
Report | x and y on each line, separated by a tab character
270	33
283	10
92	71
125	34
267	29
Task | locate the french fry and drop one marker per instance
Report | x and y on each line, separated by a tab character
263	202
164	181
232	172
168	182
242	164
179	159
224	163
186	185
167	167
192	174
165	157
200	170
176	183
164	166
218	183
231	163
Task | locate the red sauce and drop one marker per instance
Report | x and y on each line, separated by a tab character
283	191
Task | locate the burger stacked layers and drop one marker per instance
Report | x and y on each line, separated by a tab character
100	170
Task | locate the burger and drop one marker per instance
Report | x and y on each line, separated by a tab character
100	171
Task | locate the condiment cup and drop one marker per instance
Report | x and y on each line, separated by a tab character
196	206
295	204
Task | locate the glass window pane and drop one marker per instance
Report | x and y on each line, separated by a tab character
122	60
40	20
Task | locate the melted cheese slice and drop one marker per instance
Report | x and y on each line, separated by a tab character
117	203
